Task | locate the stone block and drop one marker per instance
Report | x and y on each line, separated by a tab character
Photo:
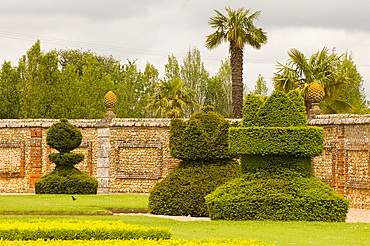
102	172
103	132
103	163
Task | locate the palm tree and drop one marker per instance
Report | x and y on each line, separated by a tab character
171	99
237	29
322	68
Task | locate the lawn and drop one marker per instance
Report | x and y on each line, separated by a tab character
65	203
279	233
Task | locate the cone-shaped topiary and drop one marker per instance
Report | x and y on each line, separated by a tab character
201	144
276	147
65	179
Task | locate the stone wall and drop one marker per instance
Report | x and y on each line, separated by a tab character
126	156
131	155
345	162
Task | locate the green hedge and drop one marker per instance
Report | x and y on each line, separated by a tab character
276	164
182	192
286	196
63	136
280	110
79	230
66	180
66	159
297	141
202	137
251	105
141	242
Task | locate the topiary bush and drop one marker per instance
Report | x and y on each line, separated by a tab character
276	147
182	192
201	144
65	178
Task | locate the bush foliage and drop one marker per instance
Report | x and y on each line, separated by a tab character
79	230
65	178
276	147
284	196
182	192
202	137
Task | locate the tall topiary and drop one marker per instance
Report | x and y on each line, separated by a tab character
65	178
276	146
201	145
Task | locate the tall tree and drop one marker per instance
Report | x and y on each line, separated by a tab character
329	70
9	96
238	29
171	69
195	77
261	87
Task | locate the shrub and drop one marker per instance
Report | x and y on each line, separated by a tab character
283	196
79	230
141	242
66	180
182	192
63	136
202	137
276	145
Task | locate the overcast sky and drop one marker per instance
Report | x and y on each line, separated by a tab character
150	30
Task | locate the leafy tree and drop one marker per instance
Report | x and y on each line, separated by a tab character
195	77
171	99
172	69
238	29
39	73
9	95
218	92
133	90
260	88
335	73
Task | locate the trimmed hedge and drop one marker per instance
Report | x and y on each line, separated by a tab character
286	196
251	105
182	192
142	242
202	137
297	141
276	164
79	230
63	136
280	111
65	159
66	180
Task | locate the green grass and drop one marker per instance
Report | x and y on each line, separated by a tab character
65	204
279	233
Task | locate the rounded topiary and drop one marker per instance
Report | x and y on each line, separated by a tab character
182	192
66	181
63	136
201	144
276	146
65	178
286	196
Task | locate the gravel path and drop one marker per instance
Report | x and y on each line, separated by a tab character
353	216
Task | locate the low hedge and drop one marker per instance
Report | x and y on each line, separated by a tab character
142	242
297	141
286	196
182	192
66	180
79	230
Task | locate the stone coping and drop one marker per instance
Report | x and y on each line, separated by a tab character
340	119
89	123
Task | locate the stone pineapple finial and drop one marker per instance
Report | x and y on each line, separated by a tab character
315	93
110	101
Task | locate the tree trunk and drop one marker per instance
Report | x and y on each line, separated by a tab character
236	63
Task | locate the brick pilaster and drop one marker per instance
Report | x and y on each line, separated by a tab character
340	171
35	156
